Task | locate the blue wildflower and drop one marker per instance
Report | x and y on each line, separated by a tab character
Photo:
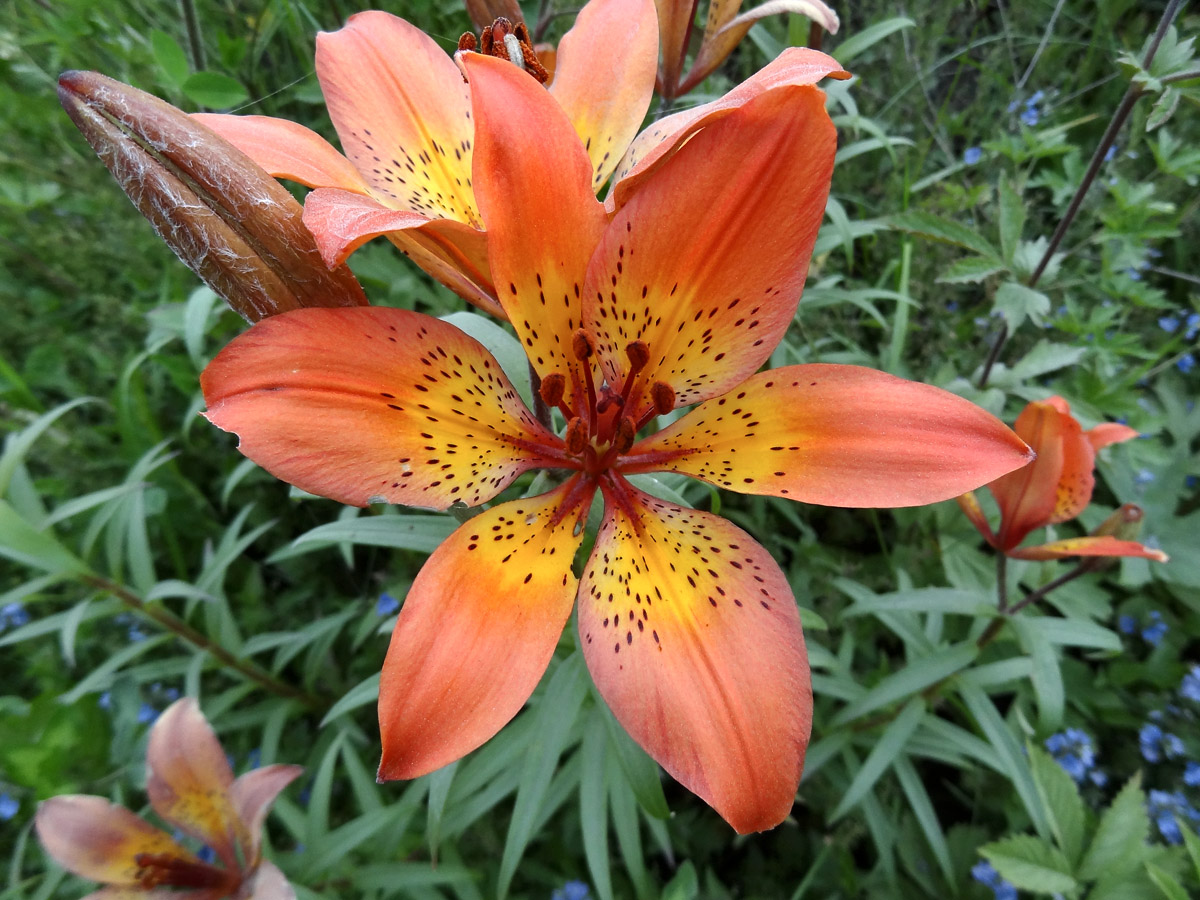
386	605
1168	323
952	306
1156	744
147	714
986	874
13	615
9	806
1038	97
1165	809
1030	117
1127	624
1191	774
1073	750
972	155
1192	326
1186	363
1143	477
254	758
572	890
1110	153
1189	688
1154	632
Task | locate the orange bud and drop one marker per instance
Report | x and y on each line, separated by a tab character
228	220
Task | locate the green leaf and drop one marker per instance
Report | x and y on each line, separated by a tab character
593	804
1192	842
922	808
214	90
886	751
1164	108
501	344
1030	864
1120	839
170	58
868	37
1018	303
1047	677
17	444
923	600
641	772
1012	219
947	231
971	270
1045	358
366	691
916	676
22	543
1064	806
685	885
1165	882
420	533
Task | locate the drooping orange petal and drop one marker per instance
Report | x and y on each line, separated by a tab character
402	112
969	504
722	33
1109	433
795	66
1077	479
252	795
1027	496
381	405
98	840
533	182
604	77
477	631
693	638
188	779
707	262
1104	545
838	436
453	253
287	149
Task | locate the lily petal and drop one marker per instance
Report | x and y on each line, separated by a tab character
140	893
795	66
342	221
693	638
1078	477
675	19
1105	545
188	779
402	112
381	405
286	149
838	436
723	32
270	884
969	504
606	93
98	840
707	262
252	795
477	631
542	217
1027	497
1109	433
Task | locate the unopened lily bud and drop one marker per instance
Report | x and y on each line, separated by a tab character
1124	524
484	12
228	220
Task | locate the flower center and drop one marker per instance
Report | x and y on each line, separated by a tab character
507	41
163	869
605	428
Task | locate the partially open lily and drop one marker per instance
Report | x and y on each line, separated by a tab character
688	627
1056	488
192	788
724	27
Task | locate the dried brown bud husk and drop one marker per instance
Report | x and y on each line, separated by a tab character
228	220
484	12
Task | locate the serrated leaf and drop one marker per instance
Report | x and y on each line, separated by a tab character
1030	864
170	58
1164	108
1046	357
946	231
1064	806
214	90
1017	303
1120	838
971	270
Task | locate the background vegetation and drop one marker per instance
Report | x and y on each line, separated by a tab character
1065	747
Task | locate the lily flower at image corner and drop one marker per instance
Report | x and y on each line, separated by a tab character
1056	488
674	298
402	112
192	788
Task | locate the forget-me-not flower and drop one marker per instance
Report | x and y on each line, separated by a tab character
986	874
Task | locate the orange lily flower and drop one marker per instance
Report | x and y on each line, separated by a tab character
1055	488
689	628
724	29
191	787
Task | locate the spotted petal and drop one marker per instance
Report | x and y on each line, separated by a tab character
839	436
606	92
98	840
706	263
1104	545
533	182
188	779
477	631
401	109
693	638
1028	497
381	405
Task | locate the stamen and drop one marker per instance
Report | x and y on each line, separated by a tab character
510	42
663	396
554	386
626	432
467	43
581	345
639	354
157	869
583	348
576	437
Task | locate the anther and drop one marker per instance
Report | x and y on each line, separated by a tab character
577	436
553	387
510	42
638	353
581	345
663	396
626	431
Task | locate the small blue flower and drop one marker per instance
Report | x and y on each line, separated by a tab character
386	605
1073	750
1191	774
1110	153
1143	477
1189	688
13	615
254	758
952	306
105	701
1150	741
1186	363
1192	325
1165	809
9	806
1030	117
1127	624
1037	98
972	155
1154	632
1168	323
572	890
1172	746
987	875
147	714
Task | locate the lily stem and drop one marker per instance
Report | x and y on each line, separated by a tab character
1002	582
186	632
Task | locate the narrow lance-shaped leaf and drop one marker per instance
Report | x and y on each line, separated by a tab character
230	222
